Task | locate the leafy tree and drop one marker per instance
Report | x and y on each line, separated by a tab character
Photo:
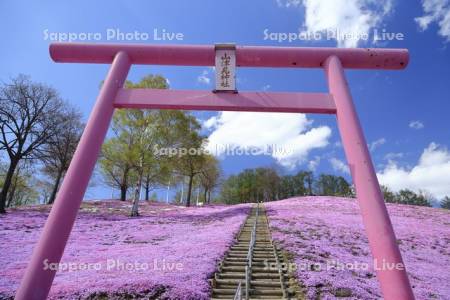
45	189
154	197
191	162
22	190
446	202
230	190
116	163
143	124
60	148
288	186
163	130
178	181
409	197
152	128
172	125
331	185
121	154
300	184
267	184
134	155
308	178
28	112
209	176
388	195
252	185
247	186
148	168
149	82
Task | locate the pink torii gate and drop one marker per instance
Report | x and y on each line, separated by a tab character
394	282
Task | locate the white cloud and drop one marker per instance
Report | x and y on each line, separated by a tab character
289	3
204	78
436	11
346	16
432	173
210	123
312	165
393	155
266	87
291	134
375	144
416	125
339	165
338	144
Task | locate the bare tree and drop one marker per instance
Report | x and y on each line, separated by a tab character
27	121
59	149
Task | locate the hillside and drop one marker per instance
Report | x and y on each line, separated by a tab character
170	252
323	234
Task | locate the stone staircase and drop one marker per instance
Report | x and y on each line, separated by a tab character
265	279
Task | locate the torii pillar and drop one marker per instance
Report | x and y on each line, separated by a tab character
394	282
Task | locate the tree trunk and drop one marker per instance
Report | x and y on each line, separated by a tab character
10	197
309	182
124	186
189	191
209	196
7	185
13	189
206	193
135	208
182	191
147	189
198	196
55	188
123	193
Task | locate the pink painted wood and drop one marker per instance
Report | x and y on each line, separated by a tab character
36	282
383	244
242	101
246	56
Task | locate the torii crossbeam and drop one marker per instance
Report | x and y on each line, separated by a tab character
394	282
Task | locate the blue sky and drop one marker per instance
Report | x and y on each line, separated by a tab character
404	113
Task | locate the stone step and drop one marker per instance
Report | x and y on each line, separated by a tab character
255	254
244	246
253	292
241	275
265	283
255	269
222	297
254	259
243	263
255	283
256	248
267	292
